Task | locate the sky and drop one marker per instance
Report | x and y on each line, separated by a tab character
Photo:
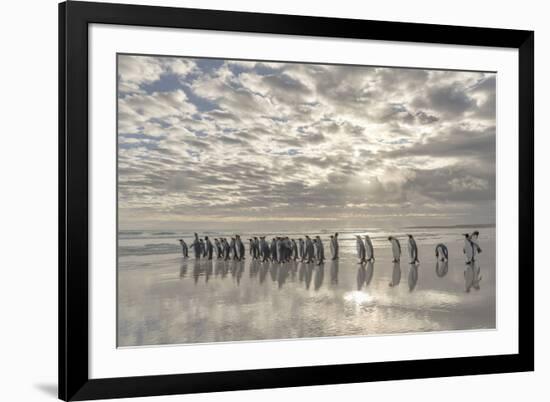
213	143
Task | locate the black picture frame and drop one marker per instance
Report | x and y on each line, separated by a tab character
74	18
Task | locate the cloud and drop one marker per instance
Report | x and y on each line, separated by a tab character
238	140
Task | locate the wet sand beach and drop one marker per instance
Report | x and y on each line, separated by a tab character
168	299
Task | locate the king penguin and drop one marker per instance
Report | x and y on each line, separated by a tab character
395	248
413	250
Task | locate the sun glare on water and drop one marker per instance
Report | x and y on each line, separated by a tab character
357	297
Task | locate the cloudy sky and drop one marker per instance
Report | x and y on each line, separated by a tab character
211	143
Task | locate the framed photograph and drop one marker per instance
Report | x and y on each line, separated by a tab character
257	201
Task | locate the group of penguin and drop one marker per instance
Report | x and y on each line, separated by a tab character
284	249
280	249
471	249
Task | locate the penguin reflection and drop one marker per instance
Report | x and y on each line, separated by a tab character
369	273
396	274
283	274
183	269
308	275
319	276
273	267
196	270
263	272
293	269
413	276
361	276
218	267
472	276
334	271
302	271
254	268
441	268
208	270
240	270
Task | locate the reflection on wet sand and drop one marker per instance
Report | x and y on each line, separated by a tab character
196	270
208	270
361	275
283	273
306	273
369	273
183	269
472	276
319	276
441	268
413	276
263	272
334	267
396	274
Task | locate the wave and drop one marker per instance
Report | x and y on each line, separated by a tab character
149	249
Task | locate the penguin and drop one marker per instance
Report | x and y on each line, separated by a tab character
369	249
217	247
413	250
294	250
280	250
287	247
274	249
203	248
226	250
301	249
320	251
251	248
395	248
208	247
264	249
468	249
308	250
336	247
196	246
441	252
222	248
239	247
314	248
232	247
184	248
360	246
256	253
473	238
